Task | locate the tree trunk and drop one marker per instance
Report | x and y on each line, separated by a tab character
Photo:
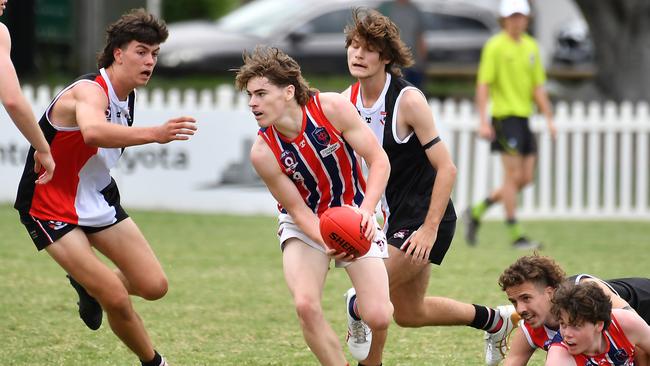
620	30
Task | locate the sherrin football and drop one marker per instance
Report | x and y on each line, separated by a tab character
340	228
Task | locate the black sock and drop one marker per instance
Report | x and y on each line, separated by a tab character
157	360
488	202
484	317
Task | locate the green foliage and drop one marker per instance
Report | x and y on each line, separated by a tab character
228	303
174	11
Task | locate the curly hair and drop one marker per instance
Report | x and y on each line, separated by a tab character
278	67
583	302
379	33
538	269
136	25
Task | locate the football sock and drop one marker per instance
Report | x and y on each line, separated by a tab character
515	229
352	309
479	209
486	318
157	360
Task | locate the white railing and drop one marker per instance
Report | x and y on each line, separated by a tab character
596	168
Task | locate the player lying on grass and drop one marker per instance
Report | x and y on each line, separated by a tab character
591	332
530	283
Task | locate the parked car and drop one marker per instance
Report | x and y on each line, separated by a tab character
573	45
312	33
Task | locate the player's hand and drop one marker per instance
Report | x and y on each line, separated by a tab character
368	226
44	160
339	256
486	131
180	128
419	245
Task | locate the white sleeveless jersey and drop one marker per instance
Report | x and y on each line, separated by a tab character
82	171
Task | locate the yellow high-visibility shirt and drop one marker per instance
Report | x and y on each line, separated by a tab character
512	70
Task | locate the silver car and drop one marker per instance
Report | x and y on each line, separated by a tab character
312	33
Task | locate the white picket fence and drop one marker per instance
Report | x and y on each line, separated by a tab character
596	168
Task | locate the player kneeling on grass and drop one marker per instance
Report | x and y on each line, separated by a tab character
591	332
306	153
530	284
88	125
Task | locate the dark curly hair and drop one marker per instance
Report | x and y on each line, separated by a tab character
379	33
538	269
278	67
136	25
583	302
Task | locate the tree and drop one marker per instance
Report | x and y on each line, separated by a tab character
620	30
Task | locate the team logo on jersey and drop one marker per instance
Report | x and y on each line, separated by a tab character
289	161
621	356
56	225
322	137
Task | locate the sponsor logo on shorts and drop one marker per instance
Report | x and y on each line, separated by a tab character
56	225
402	234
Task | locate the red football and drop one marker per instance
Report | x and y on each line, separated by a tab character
340	228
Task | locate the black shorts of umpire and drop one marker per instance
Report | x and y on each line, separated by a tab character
512	136
446	232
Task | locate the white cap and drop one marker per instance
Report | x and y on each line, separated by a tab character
509	7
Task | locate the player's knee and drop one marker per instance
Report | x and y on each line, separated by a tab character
117	303
406	319
525	180
378	317
155	289
308	309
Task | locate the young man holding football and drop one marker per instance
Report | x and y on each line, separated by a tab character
306	153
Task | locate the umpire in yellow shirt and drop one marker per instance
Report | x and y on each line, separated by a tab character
511	75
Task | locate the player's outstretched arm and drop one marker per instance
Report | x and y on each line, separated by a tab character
19	110
520	351
90	104
346	119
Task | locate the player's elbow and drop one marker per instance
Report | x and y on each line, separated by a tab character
91	136
12	104
448	169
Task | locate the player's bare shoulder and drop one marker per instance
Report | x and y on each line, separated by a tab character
338	110
261	156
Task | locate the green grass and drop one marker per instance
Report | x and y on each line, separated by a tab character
228	304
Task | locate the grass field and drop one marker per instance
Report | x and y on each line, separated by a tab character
228	304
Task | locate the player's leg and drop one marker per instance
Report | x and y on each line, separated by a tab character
75	255
370	280
528	171
124	244
305	270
